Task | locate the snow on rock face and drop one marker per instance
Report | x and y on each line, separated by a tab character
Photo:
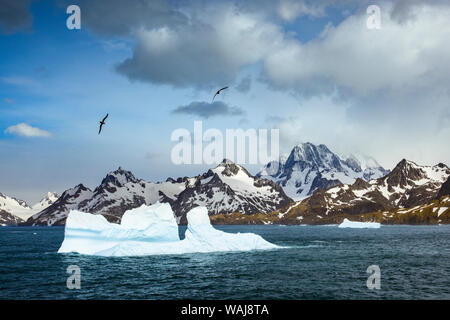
21	209
360	225
47	201
407	186
16	207
8	219
228	188
151	230
56	213
118	192
310	167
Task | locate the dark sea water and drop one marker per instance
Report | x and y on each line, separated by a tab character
321	262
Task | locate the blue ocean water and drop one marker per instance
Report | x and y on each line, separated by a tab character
320	262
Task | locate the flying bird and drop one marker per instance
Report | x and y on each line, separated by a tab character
102	123
218	92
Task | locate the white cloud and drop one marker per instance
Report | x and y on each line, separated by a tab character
25	130
215	42
398	57
289	10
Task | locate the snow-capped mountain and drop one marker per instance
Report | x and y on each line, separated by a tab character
45	202
224	189
408	185
16	207
119	191
410	194
309	167
70	199
8	219
368	166
20	210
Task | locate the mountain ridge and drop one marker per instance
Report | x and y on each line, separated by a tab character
409	194
310	167
225	188
20	209
228	190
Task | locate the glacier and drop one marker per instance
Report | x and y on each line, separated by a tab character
152	230
356	224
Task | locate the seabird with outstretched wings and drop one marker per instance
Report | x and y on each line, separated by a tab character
218	92
102	123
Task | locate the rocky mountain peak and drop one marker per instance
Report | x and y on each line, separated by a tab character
353	163
229	168
74	191
360	184
46	201
310	167
14	201
51	196
226	161
119	178
404	173
308	154
407	186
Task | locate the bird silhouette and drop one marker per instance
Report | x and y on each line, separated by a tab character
102	123
218	92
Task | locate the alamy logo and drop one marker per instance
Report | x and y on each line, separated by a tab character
374	18
74	280
374	280
74	20
242	146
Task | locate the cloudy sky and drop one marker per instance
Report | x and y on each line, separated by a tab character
313	69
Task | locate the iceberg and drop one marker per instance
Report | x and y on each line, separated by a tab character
152	230
356	224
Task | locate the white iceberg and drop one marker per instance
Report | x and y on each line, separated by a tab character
356	224
151	230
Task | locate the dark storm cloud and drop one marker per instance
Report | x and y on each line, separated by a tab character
207	110
15	15
198	44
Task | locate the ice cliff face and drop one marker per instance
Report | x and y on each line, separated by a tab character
309	167
151	230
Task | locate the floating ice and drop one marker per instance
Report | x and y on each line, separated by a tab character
355	224
150	230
